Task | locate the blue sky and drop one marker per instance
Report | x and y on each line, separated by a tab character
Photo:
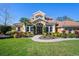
53	10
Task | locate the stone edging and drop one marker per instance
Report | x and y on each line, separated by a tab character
37	39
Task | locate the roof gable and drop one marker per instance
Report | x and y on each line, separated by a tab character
39	12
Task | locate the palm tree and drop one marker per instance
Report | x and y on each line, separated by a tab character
24	20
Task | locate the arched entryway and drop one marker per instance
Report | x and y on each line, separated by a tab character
39	28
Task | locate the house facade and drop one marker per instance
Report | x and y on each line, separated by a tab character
40	23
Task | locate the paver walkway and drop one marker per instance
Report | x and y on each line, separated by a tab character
37	39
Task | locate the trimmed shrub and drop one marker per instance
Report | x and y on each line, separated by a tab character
71	35
29	34
44	34
56	34
11	33
77	34
20	34
63	35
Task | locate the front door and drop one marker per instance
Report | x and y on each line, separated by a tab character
39	28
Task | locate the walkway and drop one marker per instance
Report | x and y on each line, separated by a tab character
37	39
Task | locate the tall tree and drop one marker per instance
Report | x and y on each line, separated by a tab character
24	20
59	18
63	18
67	18
5	16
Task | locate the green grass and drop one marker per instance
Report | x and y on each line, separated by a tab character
27	47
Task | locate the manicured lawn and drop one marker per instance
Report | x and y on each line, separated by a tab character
23	46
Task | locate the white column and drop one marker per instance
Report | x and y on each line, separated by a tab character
16	28
53	28
48	28
29	28
26	28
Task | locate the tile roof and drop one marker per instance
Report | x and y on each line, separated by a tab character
18	24
68	23
50	22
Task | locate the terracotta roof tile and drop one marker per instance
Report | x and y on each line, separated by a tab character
68	23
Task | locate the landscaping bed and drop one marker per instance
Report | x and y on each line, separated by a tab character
58	35
47	37
20	34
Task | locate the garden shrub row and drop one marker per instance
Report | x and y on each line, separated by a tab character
20	34
61	35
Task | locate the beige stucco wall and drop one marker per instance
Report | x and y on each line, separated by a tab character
22	28
66	31
60	30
